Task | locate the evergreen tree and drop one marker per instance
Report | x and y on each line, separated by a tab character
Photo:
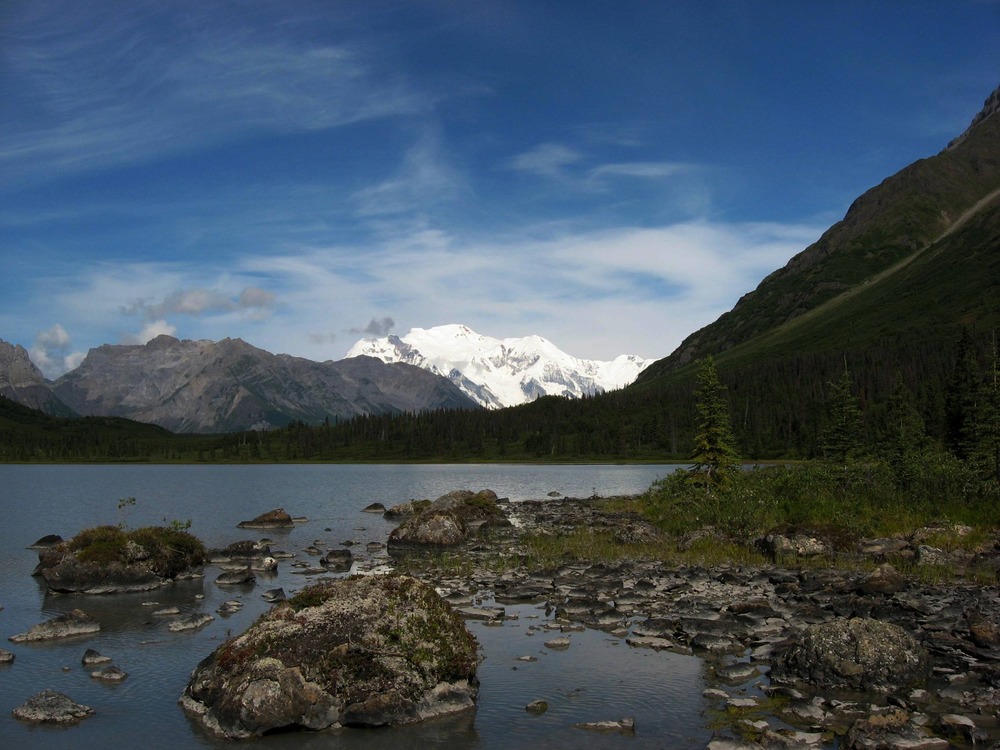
715	455
905	442
961	410
842	436
987	456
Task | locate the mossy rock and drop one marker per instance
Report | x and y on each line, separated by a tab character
361	651
108	559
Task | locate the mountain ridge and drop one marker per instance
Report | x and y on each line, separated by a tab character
498	373
206	386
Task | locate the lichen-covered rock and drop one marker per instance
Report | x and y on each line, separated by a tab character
884	579
52	707
858	654
448	521
74	622
273	519
360	651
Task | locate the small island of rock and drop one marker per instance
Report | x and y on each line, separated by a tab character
364	651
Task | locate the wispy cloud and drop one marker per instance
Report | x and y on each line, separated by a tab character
424	179
546	160
100	89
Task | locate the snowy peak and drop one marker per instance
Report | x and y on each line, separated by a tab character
502	372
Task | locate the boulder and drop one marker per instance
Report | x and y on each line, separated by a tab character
52	707
374	508
109	560
6	657
448	521
74	622
857	654
49	540
795	545
406	510
885	579
360	651
92	657
338	560
890	730
273	519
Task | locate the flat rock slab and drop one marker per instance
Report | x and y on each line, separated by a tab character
52	707
273	519
622	726
75	622
190	623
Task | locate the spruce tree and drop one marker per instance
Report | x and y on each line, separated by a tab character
905	442
715	454
961	407
842	436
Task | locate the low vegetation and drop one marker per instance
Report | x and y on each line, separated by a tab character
167	551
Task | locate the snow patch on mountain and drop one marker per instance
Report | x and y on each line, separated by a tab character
502	372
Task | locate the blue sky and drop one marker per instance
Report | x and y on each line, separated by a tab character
611	176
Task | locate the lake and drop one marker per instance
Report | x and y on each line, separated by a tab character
599	678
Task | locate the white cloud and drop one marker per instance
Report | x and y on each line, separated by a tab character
546	160
150	331
51	354
596	294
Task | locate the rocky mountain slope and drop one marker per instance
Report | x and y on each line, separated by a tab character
229	385
501	372
24	383
942	207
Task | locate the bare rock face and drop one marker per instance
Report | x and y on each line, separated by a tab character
363	651
52	707
857	654
448	521
75	622
273	519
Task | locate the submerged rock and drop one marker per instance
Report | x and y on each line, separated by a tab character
622	726
92	657
362	651
236	577
273	519
109	674
52	707
74	622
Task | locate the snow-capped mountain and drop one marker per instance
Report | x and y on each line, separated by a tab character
501	372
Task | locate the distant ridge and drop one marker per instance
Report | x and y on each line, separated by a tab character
223	386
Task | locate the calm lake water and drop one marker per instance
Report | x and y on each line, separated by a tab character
598	678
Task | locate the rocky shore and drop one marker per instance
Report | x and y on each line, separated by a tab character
803	654
881	643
